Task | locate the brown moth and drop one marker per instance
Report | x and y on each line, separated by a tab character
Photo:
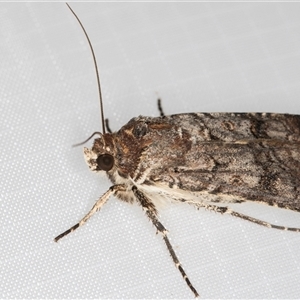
204	159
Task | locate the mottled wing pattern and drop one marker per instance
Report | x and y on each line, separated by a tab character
223	157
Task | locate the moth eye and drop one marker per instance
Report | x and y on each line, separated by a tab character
105	162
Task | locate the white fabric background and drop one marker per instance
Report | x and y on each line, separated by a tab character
196	57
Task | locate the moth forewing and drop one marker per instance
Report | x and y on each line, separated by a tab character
208	160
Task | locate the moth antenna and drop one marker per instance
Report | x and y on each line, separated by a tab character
96	69
79	144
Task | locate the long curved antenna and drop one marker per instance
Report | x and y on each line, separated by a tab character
96	68
82	143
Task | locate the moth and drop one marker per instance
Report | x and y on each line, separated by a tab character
208	160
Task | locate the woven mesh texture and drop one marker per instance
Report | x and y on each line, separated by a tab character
196	57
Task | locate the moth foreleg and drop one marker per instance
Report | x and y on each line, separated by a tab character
226	210
112	190
151	212
179	266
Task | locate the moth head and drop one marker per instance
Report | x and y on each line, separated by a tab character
100	157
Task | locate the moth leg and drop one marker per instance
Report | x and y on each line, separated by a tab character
161	112
101	201
151	212
260	222
226	210
107	126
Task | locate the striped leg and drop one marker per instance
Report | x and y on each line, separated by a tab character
151	212
226	210
112	190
